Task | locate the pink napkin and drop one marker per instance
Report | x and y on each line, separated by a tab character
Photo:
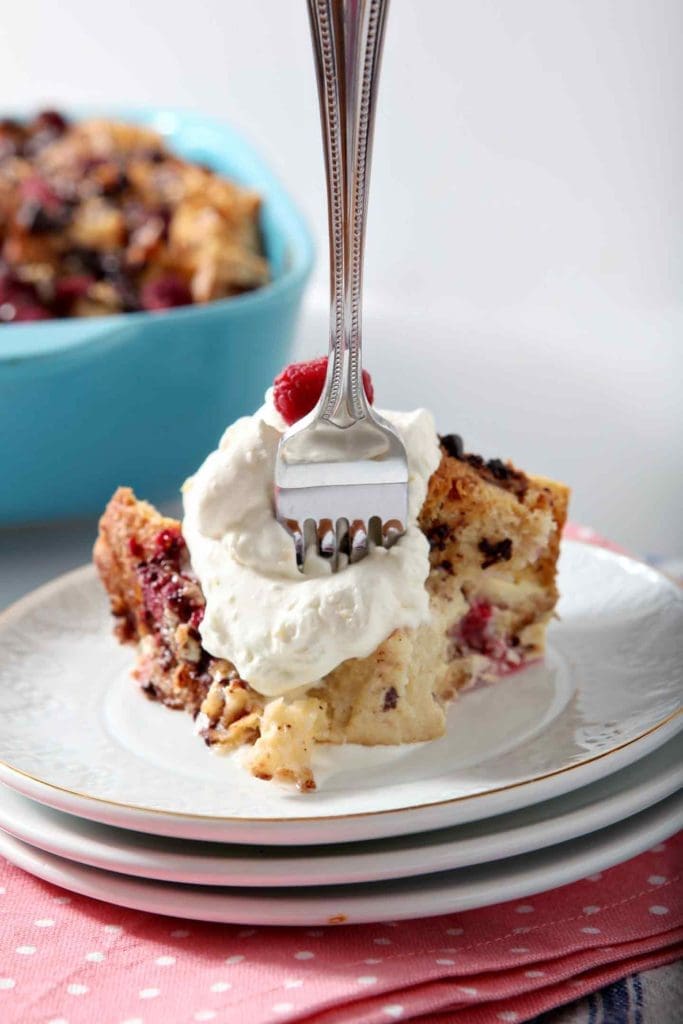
71	960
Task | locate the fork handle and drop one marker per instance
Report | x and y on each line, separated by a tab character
347	42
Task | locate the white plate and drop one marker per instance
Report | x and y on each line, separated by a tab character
609	693
585	810
442	893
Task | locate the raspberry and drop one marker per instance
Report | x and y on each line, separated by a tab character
165	293
297	389
168	544
474	627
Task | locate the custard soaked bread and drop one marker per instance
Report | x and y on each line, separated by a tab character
493	535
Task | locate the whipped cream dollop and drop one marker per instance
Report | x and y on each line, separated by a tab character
282	629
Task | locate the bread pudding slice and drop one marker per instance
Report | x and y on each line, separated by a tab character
494	536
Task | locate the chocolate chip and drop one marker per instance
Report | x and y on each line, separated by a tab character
499	469
438	535
452	445
38	220
495	551
390	699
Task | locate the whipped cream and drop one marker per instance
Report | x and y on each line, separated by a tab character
282	629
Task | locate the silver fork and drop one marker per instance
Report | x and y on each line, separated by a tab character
341	473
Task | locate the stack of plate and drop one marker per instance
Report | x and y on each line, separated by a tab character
555	773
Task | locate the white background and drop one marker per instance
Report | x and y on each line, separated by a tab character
525	254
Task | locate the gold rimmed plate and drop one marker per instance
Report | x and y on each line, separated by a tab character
76	734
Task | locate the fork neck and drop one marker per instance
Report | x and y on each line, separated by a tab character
347	42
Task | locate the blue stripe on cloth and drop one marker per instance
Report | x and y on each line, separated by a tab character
638	986
616	1003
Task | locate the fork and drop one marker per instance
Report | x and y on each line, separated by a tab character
341	472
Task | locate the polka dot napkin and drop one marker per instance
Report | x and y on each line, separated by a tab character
71	960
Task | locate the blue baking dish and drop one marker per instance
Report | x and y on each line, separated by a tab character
141	398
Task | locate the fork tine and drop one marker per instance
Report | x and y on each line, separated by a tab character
391	531
375	530
310	537
358	535
343	544
327	540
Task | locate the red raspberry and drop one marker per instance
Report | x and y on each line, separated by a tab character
474	627
297	389
165	293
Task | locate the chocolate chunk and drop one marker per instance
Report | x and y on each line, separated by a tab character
495	551
438	535
499	469
390	699
452	445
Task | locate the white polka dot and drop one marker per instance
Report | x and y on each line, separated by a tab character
508	1015
77	990
519	949
179	933
658	910
58	1020
44	922
63	901
455	931
220	986
133	1020
293	983
283	1007
165	961
521	931
590	931
657	880
204	1015
3	890
591	910
95	958
315	933
236	959
246	933
7	983
524	908
534	974
467	990
445	963
26	950
304	954
382	942
393	1010
113	929
366	979
149	993
372	960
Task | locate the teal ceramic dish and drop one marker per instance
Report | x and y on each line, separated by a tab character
141	398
